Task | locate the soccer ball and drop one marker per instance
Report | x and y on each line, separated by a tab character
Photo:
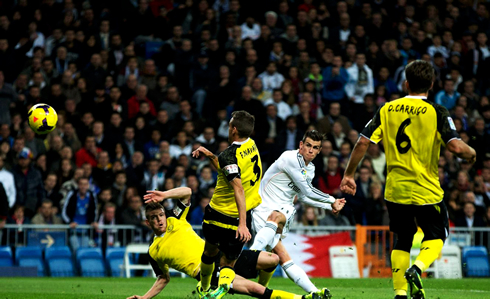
42	118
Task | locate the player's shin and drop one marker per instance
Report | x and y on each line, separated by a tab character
226	276
400	261
265	276
207	268
298	276
276	294
429	252
264	236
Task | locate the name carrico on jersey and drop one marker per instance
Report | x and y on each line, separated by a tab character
409	109
248	151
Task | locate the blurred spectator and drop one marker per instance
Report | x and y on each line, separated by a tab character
330	181
134	214
376	211
29	184
8	185
360	80
52	191
334	115
197	214
18	217
334	79
153	178
80	206
448	96
102	173
88	154
46	214
134	102
283	110
8	96
107	237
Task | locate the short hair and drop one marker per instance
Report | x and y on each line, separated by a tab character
152	206
314	135
243	122
46	201
420	75
109	205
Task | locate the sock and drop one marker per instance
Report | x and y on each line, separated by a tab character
298	276
400	261
264	236
265	276
276	294
207	268
226	276
429	252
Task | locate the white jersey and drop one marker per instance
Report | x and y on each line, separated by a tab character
287	177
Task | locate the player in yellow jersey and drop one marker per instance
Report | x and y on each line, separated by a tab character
176	245
227	217
413	130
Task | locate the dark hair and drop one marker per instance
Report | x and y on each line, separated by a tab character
314	135
151	207
46	201
243	122
420	75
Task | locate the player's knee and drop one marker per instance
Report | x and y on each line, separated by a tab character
206	259
404	242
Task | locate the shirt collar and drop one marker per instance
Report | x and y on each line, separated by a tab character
240	143
416	97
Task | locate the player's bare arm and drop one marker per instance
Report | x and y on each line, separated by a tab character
212	157
348	184
158	286
462	150
182	193
242	232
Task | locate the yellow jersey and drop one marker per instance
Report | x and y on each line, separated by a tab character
179	247
240	160
412	130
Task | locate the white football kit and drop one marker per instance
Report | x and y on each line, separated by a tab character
286	178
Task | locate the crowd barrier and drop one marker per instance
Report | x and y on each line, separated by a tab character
372	244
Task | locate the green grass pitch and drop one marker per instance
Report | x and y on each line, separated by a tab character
65	288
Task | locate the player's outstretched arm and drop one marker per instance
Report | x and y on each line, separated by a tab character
242	232
335	206
348	184
182	193
462	150
158	286
204	151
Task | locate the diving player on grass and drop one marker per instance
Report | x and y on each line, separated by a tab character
176	245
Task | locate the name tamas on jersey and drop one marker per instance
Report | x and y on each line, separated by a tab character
414	110
248	151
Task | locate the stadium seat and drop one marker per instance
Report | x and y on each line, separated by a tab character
475	261
90	262
115	259
6	257
59	261
30	256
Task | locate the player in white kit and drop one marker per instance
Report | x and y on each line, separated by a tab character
288	177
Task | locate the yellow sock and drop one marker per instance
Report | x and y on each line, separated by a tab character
276	294
400	261
206	275
265	277
226	276
429	252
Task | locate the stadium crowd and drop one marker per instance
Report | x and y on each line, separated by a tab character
139	84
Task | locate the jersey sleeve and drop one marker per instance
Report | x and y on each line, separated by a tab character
158	271
372	130
229	164
294	167
178	209
313	203
445	124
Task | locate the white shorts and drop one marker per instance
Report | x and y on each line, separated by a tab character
259	219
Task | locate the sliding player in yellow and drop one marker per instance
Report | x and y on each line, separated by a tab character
176	245
413	130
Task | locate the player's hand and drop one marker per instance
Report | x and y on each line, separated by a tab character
135	297
348	185
202	150
154	196
243	234
338	205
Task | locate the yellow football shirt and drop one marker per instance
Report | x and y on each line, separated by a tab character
412	130
180	247
239	160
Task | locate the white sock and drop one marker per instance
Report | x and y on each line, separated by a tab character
298	276
264	236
